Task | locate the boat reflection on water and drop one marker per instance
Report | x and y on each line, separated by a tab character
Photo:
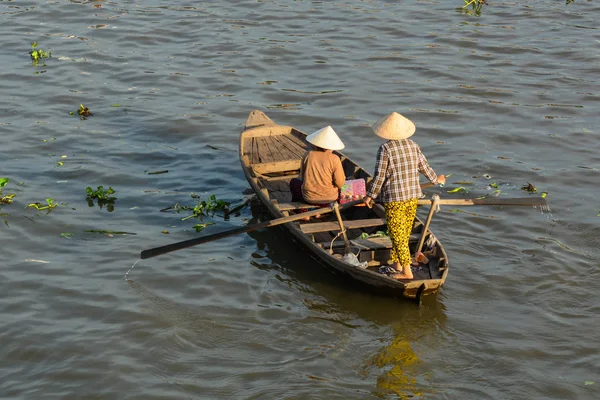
401	366
396	366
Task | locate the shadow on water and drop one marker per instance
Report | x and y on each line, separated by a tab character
396	365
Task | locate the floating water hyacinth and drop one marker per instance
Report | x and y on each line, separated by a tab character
8	198
38	55
102	196
476	6
200	227
50	204
458	189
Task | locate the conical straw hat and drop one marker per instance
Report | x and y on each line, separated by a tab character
326	138
394	127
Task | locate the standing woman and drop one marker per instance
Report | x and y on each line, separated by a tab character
399	161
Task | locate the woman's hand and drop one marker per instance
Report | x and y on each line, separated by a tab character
441	180
368	201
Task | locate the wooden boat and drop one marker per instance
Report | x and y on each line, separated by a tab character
271	154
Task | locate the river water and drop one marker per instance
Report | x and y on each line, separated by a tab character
509	97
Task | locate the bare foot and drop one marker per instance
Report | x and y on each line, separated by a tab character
402	276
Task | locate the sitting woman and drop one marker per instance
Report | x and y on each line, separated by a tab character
321	172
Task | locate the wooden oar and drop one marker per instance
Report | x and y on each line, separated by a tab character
492	201
336	208
435	200
247	228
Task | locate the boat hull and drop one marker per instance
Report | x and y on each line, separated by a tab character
270	156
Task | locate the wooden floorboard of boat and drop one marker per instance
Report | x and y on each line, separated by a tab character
293	149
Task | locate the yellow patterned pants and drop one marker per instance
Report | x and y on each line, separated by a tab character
400	217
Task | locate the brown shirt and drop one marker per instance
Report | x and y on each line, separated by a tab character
322	176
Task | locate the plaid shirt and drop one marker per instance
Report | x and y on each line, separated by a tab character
397	171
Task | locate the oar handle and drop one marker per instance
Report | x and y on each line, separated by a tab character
435	200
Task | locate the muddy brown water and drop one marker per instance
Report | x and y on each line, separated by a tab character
510	97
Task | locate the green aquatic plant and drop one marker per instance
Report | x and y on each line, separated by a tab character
475	7
8	198
50	205
458	189
100	193
200	227
201	209
103	196
38	55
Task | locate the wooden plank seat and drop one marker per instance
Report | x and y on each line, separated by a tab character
276	166
296	205
315	227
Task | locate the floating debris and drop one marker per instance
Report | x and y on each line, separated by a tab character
8	198
83	112
109	232
529	187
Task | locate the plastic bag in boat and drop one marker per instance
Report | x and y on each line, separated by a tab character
352	259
